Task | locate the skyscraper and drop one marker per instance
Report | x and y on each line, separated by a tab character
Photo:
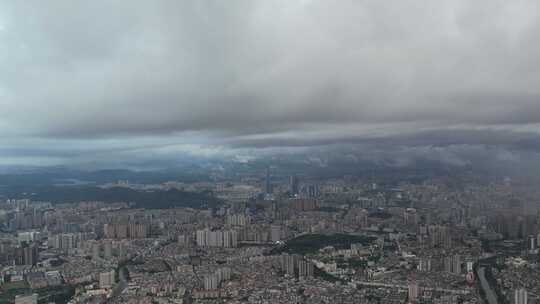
293	185
275	233
531	242
413	292
211	282
268	182
305	269
106	279
289	263
26	254
107	250
520	296
313	191
96	250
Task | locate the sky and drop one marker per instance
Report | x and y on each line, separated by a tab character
103	81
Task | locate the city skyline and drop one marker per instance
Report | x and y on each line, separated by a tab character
256	151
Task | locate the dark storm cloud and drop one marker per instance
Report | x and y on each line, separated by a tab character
268	73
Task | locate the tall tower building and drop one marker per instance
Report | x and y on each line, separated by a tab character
413	292
211	282
275	233
305	269
520	296
96	250
268	182
531	242
30	255
289	263
293	185
107	250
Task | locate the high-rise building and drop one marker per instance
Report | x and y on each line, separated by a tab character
410	217
107	250
131	230
230	239
363	218
211	282
121	231
293	185
452	264
106	279
424	265
96	250
237	220
227	239
275	233
26	255
218	238
214	238
447	264
439	236
456	267
29	236
223	274
268	182
138	231
531	243
520	296
289	263
122	251
67	242
109	231
183	240
313	191
201	237
31	255
305	269
413	292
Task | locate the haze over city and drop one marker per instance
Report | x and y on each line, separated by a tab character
287	151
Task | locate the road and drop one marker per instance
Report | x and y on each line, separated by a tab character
119	288
491	297
444	290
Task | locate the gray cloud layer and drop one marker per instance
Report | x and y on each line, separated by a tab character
264	73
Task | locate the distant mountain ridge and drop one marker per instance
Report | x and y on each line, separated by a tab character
158	199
